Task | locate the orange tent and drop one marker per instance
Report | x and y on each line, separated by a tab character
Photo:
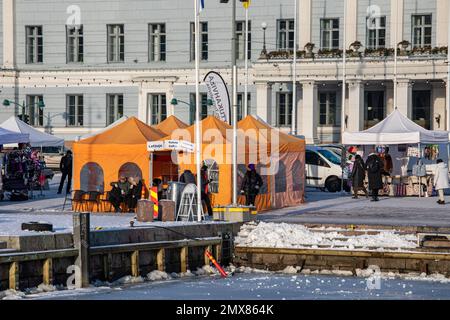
217	155
121	149
170	124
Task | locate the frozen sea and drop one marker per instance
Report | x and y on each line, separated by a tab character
262	287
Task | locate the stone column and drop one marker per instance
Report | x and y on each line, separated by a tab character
9	58
304	22
264	101
442	17
309	113
352	22
355	110
404	97
397	12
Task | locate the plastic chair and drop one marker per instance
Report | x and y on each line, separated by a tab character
92	198
77	200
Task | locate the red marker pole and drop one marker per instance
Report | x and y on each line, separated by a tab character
210	257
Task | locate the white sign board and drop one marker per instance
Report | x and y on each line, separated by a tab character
177	145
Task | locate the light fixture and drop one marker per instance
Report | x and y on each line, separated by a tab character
437	117
6	103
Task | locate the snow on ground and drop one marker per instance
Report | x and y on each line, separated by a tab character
283	235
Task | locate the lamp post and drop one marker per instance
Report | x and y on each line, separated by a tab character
264	50
176	101
7	103
48	117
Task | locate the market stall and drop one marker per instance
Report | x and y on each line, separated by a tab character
170	124
413	150
36	138
282	187
120	150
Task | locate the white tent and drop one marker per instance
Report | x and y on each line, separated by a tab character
8	136
395	129
36	137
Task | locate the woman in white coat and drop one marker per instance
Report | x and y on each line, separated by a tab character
441	180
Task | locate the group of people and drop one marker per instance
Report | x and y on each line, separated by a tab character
128	190
251	185
377	166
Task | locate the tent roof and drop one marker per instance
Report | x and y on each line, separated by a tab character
129	131
8	136
170	124
115	123
266	131
37	138
209	123
395	129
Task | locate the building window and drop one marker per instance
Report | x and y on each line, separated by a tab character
328	109
422	26
285	34
284	107
74	111
203	41
157	42
205	112
74	44
34	44
240	40
421	108
376	32
35	116
114	108
240	104
329	32
116	43
158	108
373	108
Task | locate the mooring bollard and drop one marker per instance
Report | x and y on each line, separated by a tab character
81	231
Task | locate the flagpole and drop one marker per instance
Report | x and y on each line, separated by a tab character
395	54
234	86
245	111
294	75
197	111
344	71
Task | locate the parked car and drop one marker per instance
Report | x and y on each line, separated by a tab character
52	156
323	169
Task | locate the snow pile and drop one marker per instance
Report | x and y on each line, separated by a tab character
206	270
290	270
11	295
128	280
283	235
158	275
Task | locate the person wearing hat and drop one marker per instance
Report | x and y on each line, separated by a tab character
205	189
251	185
66	169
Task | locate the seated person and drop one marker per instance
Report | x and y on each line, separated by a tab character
134	193
119	192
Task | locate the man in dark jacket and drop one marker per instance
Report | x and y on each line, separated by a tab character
134	193
374	173
205	189
119	193
188	177
358	176
66	169
251	185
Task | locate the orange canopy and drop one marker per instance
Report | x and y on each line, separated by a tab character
216	153
121	149
170	124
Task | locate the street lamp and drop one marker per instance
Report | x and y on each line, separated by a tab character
40	104
48	127
176	101
264	50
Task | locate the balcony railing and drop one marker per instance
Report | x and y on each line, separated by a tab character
436	52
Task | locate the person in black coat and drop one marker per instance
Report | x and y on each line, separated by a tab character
205	189
358	175
188	177
374	172
134	193
65	166
251	185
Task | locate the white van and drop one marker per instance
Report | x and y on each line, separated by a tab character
323	169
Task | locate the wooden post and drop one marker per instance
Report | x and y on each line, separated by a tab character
107	262
81	231
135	263
218	252
208	248
47	272
14	276
184	259
161	260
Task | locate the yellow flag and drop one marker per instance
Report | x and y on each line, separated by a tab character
246	4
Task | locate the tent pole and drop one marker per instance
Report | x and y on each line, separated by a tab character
150	171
